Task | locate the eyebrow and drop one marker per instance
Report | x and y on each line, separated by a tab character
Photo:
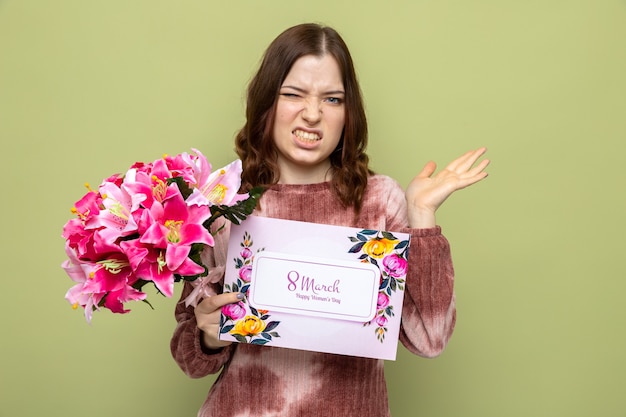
304	91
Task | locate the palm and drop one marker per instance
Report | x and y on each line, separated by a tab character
427	192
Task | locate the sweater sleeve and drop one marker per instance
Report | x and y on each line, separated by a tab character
185	345
193	359
428	312
429	309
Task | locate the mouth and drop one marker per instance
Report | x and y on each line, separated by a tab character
307	137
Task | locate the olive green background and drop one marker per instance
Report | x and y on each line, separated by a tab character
88	87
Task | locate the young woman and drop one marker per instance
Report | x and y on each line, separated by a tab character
304	140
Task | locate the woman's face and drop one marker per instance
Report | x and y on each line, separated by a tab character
310	116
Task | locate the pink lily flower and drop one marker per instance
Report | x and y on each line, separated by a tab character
148	263
75	232
220	187
149	185
88	206
139	227
110	274
185	166
168	167
176	227
80	239
116	179
115	300
116	219
110	279
142	167
78	272
199	166
167	232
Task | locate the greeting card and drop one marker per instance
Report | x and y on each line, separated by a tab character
315	287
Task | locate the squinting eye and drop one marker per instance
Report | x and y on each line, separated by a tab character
334	100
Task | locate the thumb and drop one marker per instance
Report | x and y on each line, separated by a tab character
428	170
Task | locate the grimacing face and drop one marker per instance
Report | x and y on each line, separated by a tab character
309	121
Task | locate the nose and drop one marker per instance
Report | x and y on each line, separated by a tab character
312	111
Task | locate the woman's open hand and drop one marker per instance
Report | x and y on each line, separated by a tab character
427	192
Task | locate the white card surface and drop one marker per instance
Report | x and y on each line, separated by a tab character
311	286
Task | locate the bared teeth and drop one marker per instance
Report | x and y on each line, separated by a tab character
307	136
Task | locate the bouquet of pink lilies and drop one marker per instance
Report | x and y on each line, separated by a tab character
149	225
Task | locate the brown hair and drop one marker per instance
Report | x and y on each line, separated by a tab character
254	142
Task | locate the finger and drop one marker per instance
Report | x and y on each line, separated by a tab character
428	170
478	168
216	302
466	182
214	316
208	321
452	166
472	158
210	327
465	161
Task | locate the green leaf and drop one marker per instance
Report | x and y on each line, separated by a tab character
356	248
259	342
389	236
185	191
402	245
369	232
240	338
138	285
271	325
237	212
226	329
361	237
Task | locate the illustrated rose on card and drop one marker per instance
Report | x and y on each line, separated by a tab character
242	321
389	254
234	311
254	328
